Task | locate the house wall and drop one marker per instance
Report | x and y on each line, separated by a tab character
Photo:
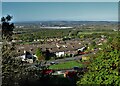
60	54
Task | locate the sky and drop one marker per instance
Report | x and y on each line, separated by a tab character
73	11
0	9
60	0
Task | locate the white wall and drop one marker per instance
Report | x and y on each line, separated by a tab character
59	54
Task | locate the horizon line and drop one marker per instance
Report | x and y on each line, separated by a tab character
65	20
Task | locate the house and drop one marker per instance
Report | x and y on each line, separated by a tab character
27	57
58	49
60	54
56	73
85	58
82	49
47	72
70	74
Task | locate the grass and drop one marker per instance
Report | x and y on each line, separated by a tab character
66	65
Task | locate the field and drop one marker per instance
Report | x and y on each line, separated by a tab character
66	65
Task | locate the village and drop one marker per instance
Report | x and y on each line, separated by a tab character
65	57
59	48
59	43
63	53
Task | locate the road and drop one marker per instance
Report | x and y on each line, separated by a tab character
43	63
69	59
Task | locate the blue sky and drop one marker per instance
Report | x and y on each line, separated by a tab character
77	11
0	9
60	0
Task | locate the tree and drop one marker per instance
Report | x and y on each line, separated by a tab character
39	54
14	73
47	54
104	69
11	67
7	28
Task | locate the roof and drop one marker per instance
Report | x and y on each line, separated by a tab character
53	47
48	71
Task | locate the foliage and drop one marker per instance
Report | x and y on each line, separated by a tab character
14	72
39	54
47	54
104	69
43	34
7	28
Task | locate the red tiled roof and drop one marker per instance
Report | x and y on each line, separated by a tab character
48	71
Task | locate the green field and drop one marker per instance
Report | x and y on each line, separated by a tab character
66	65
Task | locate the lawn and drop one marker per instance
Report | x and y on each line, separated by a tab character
66	65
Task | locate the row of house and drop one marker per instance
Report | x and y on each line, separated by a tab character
58	49
53	47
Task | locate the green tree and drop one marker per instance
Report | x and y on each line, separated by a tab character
14	73
104	69
39	54
7	28
9	64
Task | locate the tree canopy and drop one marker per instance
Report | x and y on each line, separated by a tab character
14	73
7	28
104	69
39	54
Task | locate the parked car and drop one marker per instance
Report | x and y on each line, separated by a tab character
76	68
52	63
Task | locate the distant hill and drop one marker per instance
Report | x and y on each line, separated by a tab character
65	23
